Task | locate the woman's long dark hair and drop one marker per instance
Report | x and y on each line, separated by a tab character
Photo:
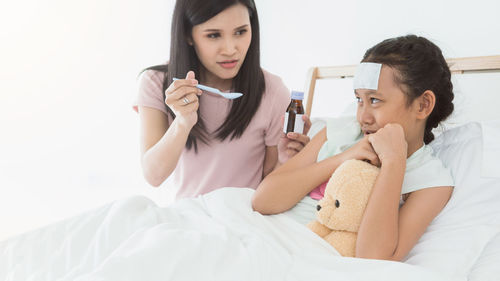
249	80
421	67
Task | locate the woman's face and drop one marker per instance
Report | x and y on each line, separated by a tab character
386	105
222	42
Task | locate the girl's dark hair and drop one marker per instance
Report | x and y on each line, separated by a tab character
249	80
421	66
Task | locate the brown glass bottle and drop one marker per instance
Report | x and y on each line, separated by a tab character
293	115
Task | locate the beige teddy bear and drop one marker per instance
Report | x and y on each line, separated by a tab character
341	209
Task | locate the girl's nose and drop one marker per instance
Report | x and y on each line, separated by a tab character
365	115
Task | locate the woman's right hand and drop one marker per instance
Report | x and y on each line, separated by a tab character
363	150
182	98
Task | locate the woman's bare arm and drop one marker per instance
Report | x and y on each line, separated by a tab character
161	144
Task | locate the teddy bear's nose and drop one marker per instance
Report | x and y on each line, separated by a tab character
318	207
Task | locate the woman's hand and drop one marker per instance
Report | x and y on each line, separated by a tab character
389	143
182	97
362	150
291	143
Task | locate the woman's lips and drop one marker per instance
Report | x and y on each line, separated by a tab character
228	64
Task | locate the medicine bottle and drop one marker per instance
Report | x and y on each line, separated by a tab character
293	115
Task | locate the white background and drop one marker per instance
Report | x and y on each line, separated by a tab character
68	73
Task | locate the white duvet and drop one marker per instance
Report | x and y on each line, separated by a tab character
212	237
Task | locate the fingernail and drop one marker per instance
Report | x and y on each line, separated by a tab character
194	81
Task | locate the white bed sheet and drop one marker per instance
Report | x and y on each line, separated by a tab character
213	237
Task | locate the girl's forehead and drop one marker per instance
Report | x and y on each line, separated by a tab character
367	76
388	78
374	78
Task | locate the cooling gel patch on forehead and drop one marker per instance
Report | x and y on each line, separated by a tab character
366	76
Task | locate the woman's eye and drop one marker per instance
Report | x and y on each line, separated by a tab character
241	31
213	35
374	100
358	100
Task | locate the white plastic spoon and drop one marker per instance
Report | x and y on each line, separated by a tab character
217	91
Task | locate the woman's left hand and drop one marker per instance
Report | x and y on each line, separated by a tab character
291	143
389	143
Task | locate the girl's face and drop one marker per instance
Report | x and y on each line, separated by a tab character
222	42
387	105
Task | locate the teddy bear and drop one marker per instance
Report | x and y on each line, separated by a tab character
340	211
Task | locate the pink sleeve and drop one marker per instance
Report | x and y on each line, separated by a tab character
150	91
280	98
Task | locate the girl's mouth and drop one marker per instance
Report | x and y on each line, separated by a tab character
368	132
228	63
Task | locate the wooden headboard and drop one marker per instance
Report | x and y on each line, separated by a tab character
457	66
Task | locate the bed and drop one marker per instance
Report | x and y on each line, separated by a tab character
218	237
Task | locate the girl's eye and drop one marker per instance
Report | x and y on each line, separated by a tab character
213	35
374	100
358	100
241	32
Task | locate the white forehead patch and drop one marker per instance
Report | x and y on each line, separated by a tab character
367	75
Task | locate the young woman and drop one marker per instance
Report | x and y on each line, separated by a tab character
393	126
206	141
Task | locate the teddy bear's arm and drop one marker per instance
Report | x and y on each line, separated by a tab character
318	228
343	241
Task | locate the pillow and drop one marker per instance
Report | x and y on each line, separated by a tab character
317	124
487	266
491	148
458	235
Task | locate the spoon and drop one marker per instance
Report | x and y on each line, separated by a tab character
217	91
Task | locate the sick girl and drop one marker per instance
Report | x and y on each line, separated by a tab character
403	91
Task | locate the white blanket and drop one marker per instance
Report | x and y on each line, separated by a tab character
212	237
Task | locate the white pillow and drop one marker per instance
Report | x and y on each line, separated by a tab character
317	124
458	235
491	148
487	267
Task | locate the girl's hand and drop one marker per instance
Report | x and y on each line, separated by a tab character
292	143
182	98
362	150
389	143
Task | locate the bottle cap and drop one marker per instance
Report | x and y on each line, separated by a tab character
296	95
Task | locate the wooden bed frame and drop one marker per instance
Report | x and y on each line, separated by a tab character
457	66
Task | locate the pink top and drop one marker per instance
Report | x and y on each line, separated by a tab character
236	163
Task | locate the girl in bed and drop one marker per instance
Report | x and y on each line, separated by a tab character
403	91
204	140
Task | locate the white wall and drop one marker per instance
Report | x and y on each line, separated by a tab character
68	136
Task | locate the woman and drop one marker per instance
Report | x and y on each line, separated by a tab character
203	140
